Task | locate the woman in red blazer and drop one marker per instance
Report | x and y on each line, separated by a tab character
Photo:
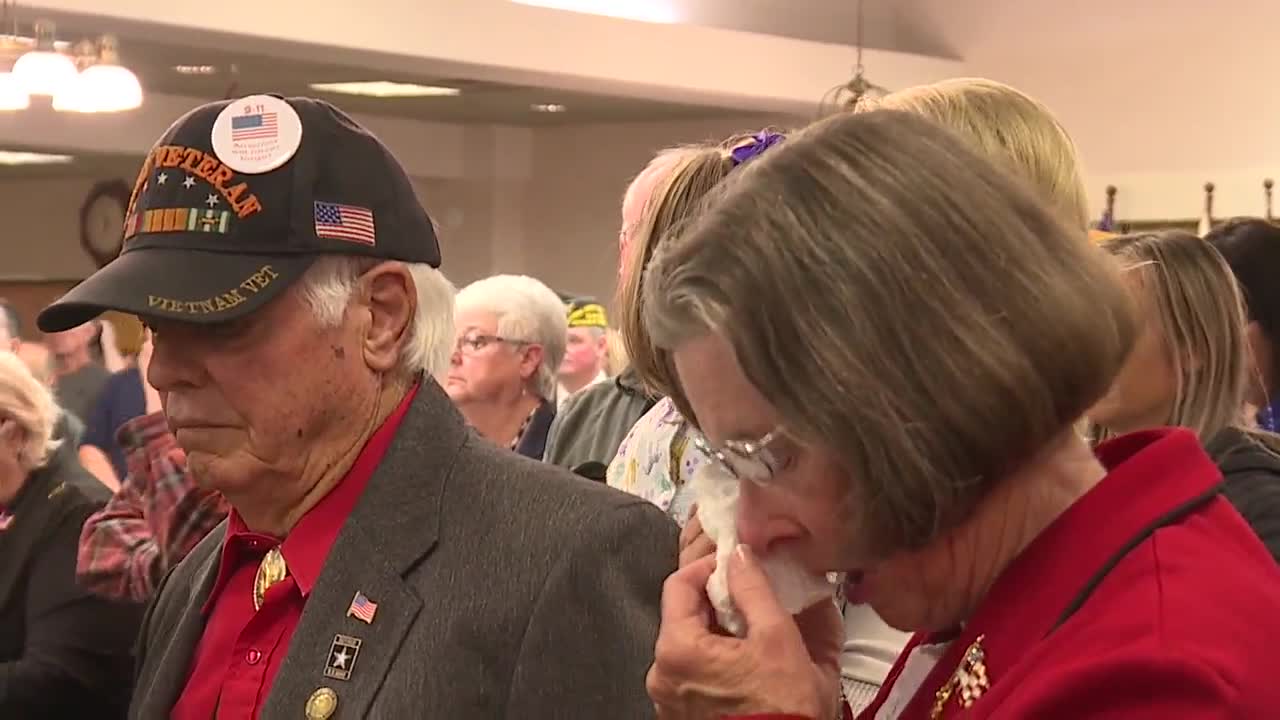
888	344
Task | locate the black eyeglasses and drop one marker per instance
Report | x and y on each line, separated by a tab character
750	460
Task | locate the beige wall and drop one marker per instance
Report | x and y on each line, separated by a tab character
572	213
1159	96
543	202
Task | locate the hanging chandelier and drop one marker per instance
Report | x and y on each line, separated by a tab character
88	79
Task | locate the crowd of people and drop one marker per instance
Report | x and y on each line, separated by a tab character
878	430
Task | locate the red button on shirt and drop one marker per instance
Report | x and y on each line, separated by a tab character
241	650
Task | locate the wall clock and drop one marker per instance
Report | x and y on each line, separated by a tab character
102	220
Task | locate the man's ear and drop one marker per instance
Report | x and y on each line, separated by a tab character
391	301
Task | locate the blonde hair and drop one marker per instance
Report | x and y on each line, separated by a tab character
30	404
1186	285
1002	122
674	203
616	359
852	269
39	360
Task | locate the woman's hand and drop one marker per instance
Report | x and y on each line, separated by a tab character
694	542
784	665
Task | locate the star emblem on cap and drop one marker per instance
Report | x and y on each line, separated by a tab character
189	182
211	200
161	178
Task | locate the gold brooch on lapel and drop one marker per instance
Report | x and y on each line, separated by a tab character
321	704
969	680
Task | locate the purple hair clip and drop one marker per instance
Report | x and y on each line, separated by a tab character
761	142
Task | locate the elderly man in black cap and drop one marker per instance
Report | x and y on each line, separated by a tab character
379	560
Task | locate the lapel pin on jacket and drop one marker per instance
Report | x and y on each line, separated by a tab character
362	608
969	680
321	704
342	657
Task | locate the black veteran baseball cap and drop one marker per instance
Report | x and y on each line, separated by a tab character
235	202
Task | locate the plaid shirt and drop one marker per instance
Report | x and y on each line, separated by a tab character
156	517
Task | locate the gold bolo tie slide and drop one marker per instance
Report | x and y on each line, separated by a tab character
271	570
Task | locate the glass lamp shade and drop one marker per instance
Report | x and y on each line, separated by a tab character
101	88
13	96
44	72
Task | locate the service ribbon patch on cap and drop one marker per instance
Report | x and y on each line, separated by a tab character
197	192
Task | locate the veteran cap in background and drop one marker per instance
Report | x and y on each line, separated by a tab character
586	312
235	202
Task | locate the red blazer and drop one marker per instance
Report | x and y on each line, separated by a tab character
1186	624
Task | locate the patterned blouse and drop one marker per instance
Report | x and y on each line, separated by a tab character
656	459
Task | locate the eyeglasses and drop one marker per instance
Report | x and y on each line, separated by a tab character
472	344
744	459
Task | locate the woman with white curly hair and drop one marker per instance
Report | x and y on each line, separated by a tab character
511	333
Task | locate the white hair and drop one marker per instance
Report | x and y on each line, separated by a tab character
527	310
31	405
327	287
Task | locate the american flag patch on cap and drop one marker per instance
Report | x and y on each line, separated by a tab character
344	222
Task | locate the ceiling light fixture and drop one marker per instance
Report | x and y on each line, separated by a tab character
652	11
385	89
44	70
195	69
548	107
86	78
17	157
13	95
104	86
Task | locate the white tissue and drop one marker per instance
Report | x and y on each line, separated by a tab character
795	587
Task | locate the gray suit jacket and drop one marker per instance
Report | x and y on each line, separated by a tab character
505	588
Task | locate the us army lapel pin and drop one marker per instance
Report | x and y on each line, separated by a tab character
342	657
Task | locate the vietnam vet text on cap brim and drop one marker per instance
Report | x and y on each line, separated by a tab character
237	199
187	285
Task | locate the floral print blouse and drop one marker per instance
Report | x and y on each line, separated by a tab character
656	460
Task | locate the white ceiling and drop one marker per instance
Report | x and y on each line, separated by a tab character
238	72
901	25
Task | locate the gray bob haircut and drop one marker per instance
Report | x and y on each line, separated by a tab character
905	305
528	311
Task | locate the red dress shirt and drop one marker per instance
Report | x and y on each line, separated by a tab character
241	650
1184	626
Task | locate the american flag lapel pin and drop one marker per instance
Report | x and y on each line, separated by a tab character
362	608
